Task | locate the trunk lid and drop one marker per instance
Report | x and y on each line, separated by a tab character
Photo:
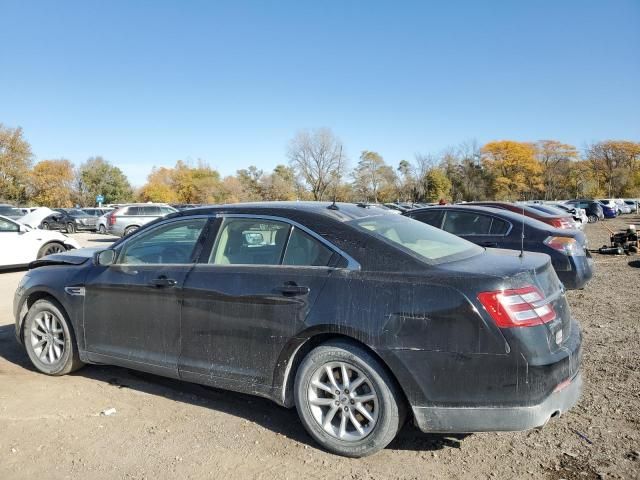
506	269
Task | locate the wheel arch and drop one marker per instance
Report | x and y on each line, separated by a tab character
292	356
36	295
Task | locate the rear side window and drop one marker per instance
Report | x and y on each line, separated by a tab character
151	211
6	226
303	249
499	227
466	223
133	211
244	241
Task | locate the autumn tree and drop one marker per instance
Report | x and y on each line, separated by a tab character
615	162
51	183
281	184
372	175
516	173
96	176
553	156
15	162
318	158
251	181
183	184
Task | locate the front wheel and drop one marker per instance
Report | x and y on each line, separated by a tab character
49	339
51	248
346	400
44	226
593	218
71	228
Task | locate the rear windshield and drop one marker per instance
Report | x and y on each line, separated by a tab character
550	210
428	243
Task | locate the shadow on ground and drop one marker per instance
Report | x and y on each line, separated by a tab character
255	409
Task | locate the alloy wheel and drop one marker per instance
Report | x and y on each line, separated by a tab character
53	248
343	401
47	338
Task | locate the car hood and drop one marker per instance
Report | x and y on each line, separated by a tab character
34	219
73	257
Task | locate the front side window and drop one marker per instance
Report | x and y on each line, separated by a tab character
172	243
246	241
7	226
429	243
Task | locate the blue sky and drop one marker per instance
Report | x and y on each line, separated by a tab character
146	83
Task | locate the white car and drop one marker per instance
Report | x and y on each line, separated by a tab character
21	244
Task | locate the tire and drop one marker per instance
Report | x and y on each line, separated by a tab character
593	218
71	228
44	226
129	230
47	322
51	248
102	230
384	404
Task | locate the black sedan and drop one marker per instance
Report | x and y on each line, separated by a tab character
358	318
70	220
496	228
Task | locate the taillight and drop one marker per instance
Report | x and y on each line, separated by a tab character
556	222
521	307
566	245
112	217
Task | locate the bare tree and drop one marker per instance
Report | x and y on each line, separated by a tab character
317	157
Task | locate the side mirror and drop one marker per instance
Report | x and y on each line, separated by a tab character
105	257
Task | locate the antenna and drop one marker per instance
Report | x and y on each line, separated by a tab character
522	235
333	206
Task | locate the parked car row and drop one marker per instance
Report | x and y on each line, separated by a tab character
357	317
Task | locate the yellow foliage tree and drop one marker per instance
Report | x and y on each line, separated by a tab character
183	184
51	183
514	168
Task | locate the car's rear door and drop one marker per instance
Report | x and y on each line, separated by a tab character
247	298
475	227
132	308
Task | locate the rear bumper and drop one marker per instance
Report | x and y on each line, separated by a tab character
498	419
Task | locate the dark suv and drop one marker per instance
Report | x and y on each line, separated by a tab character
591	207
69	219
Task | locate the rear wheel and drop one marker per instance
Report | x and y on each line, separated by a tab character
346	400
130	230
44	226
71	228
51	248
49	339
593	218
102	229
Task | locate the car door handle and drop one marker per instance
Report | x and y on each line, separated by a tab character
489	244
163	282
291	290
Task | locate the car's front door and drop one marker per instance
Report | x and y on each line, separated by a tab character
132	307
13	251
248	298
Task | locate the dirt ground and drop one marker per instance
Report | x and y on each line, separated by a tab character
52	428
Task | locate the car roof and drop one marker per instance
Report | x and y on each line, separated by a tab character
339	211
498	212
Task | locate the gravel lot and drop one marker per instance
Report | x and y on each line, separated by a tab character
52	428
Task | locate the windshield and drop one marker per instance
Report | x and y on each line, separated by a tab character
11	211
429	243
